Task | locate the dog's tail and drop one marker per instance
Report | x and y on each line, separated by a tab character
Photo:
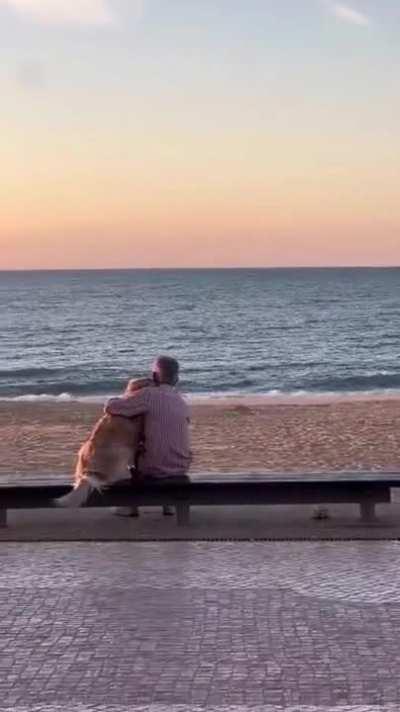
84	483
78	495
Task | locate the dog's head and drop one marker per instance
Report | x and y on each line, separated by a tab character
136	384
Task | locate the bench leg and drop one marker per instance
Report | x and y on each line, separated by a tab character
367	511
183	514
3	517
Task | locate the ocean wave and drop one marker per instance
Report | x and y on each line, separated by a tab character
55	389
57	398
274	395
380	380
229	384
29	372
40	397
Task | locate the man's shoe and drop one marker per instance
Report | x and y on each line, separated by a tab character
320	513
168	511
125	511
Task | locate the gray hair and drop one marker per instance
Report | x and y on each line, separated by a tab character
166	370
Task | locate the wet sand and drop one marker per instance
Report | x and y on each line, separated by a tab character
42	438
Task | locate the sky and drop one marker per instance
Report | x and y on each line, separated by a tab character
180	133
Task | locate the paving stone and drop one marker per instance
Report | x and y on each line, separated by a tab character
146	627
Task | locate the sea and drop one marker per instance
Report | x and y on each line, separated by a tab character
266	333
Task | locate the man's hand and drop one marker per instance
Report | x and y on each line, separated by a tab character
130	404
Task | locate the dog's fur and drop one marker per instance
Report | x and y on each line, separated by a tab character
107	455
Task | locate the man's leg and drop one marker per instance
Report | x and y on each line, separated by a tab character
167	510
129	511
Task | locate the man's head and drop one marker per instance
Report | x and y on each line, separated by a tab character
166	370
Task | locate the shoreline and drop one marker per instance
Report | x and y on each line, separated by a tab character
299	398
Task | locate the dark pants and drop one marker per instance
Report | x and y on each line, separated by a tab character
137	478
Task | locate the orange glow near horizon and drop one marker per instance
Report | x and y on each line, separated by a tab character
211	169
203	213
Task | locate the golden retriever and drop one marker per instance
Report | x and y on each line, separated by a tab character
108	454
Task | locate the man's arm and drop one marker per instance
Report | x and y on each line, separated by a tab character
129	406
137	384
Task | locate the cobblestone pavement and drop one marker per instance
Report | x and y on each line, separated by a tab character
187	627
197	708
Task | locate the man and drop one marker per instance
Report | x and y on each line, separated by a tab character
166	452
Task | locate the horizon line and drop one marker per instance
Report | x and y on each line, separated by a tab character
192	269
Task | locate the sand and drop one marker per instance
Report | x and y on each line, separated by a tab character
42	438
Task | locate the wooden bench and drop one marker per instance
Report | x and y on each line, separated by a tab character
364	489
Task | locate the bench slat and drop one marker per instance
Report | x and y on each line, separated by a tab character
204	493
389	478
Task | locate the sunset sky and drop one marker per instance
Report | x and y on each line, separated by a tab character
141	133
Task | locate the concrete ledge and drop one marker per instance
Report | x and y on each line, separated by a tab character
243	523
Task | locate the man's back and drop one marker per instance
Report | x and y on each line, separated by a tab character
166	428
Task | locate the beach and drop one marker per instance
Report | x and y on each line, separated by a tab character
42	438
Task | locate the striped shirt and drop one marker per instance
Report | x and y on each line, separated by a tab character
166	428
